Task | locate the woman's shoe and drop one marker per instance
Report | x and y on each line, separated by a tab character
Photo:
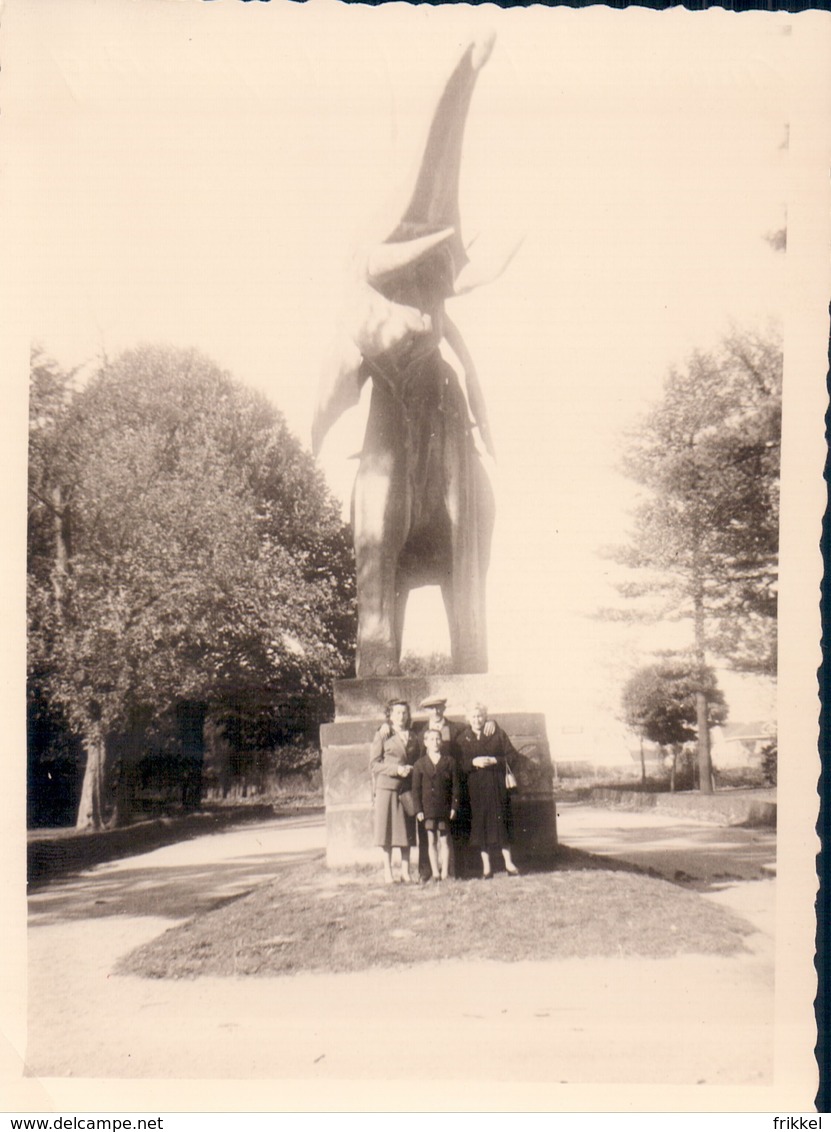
487	876
512	872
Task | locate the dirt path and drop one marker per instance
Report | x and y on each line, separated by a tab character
697	1019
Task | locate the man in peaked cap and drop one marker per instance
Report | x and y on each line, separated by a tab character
435	707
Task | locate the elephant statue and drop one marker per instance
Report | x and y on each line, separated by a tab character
422	506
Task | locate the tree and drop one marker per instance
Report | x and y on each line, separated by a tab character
205	560
50	392
660	702
52	748
705	539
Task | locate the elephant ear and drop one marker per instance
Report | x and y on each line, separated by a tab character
370	326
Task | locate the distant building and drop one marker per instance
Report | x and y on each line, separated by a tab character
590	749
740	744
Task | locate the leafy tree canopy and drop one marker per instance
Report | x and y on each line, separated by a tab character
183	545
659	700
705	539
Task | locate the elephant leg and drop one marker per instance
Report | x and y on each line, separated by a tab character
469	503
380	516
468	634
402	594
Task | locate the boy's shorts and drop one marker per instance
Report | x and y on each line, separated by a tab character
437	824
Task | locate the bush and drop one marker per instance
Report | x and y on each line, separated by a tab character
265	776
740	777
431	664
770	755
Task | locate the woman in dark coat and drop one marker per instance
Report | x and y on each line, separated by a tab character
484	761
392	753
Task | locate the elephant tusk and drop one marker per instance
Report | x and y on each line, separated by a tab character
475	274
386	259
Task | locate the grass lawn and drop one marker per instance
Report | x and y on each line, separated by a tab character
311	918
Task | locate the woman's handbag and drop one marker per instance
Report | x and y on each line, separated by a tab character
408	803
510	780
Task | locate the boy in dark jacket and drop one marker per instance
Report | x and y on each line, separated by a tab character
436	795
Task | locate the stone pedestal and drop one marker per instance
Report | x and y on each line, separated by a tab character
359	709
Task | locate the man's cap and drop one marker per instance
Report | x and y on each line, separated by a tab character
433	701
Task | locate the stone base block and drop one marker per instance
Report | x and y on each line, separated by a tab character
349	836
345	751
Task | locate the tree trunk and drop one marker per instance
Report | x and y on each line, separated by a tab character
643	765
672	769
705	766
95	805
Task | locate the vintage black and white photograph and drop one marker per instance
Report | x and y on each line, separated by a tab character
421	573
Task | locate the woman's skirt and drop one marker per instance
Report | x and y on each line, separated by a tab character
490	817
393	827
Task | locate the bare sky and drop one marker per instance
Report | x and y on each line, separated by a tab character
197	173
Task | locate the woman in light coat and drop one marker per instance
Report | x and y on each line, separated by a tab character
392	753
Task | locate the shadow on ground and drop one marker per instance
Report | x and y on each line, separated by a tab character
184	883
705	857
175	893
67	852
183	891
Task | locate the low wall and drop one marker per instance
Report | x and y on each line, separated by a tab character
728	807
